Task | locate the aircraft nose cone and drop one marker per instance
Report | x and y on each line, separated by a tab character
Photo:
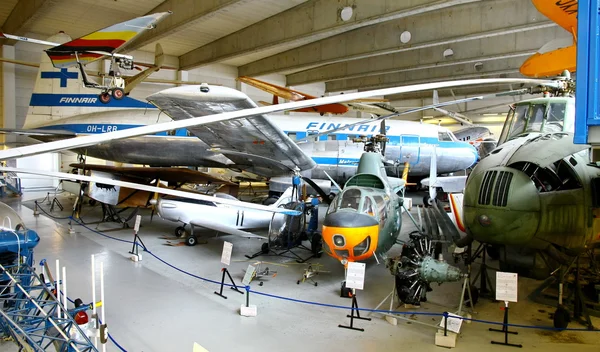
349	219
501	206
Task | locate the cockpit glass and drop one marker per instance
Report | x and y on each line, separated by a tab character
368	207
507	124
10	220
536	118
519	121
350	198
556	116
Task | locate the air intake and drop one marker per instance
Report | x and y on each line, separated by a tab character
485	193
501	189
495	188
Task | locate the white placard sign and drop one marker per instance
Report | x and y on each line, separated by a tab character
249	275
226	255
138	220
355	275
506	286
454	323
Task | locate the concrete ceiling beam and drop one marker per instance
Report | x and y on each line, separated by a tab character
464	71
22	14
308	22
185	13
443	27
521	44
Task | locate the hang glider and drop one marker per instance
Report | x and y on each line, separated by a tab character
557	55
374	106
224	124
105	43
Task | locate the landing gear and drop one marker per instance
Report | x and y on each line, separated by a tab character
316	246
118	93
191	240
104	97
562	318
427	201
180	231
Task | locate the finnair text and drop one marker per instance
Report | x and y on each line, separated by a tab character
79	100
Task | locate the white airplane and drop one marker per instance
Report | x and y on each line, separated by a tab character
61	107
224	218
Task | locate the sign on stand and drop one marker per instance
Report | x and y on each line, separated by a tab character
138	220
226	255
249	275
454	323
355	275
506	286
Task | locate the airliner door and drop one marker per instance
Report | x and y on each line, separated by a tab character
410	148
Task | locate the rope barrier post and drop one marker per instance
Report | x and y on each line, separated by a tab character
36	212
505	330
71	231
134	247
248	310
445	323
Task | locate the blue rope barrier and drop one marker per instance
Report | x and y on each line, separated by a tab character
248	289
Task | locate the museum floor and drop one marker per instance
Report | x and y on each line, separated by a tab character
152	306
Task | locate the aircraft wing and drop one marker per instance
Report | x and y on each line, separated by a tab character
78	142
564	13
216	225
100	43
252	143
168	174
38	132
160	190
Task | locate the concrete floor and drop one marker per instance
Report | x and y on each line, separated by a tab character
153	307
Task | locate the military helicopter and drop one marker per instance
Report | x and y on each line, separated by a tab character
535	199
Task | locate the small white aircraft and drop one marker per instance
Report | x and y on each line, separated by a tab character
223	218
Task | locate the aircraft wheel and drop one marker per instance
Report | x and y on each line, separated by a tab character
118	93
316	284
427	201
104	98
264	248
298	282
493	252
180	231
561	318
191	240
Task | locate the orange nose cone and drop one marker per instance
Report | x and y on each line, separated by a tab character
350	236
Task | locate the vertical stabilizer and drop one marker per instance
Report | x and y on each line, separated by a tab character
59	93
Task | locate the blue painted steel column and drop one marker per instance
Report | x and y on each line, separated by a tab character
587	92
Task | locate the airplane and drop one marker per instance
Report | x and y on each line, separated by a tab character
559	54
61	108
373	106
97	45
534	201
310	272
478	136
219	217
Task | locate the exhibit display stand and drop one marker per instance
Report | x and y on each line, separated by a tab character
248	310
506	290
355	279
226	259
136	257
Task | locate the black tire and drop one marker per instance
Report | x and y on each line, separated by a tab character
180	231
104	98
78	303
316	284
264	248
298	282
191	241
427	201
561	318
118	93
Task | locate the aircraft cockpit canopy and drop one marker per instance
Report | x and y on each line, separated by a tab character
556	114
11	221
